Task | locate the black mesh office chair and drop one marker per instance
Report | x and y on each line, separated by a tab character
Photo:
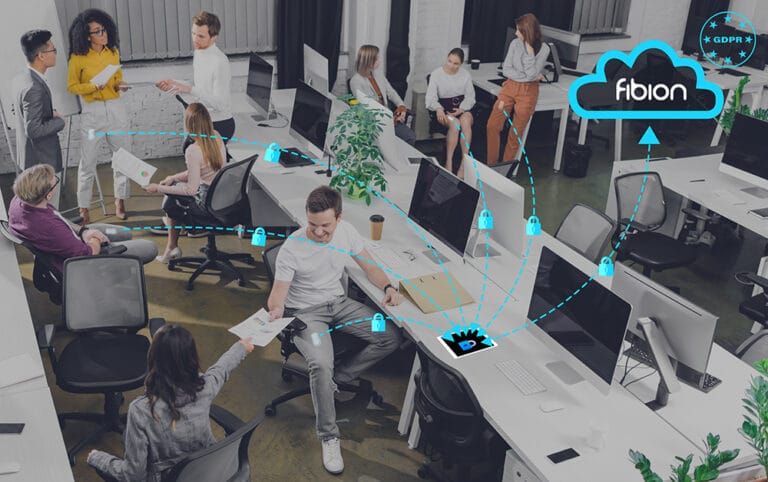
104	306
227	205
756	309
226	460
344	346
642	245
586	230
452	422
46	277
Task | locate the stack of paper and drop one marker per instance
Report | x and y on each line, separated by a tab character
106	74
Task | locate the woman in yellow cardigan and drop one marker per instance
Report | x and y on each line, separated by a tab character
93	45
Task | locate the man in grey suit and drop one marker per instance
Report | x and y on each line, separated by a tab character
37	124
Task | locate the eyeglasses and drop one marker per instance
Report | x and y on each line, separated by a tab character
56	183
99	32
46	51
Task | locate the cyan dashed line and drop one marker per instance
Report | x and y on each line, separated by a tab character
370	318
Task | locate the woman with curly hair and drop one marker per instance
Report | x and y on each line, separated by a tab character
93	45
171	418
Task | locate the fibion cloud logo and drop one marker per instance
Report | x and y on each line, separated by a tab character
651	82
727	39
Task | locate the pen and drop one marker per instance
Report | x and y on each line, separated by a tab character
697	180
284	173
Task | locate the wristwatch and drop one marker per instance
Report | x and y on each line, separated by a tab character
389	285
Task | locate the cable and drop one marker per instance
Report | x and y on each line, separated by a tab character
641	378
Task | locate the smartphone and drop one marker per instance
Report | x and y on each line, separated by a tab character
760	213
562	455
11	427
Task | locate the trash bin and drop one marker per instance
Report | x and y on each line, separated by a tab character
576	159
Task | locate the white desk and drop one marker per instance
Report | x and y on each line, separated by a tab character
39	449
694	413
551	97
531	433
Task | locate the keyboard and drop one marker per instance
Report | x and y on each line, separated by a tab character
688	376
388	257
574	73
734	72
520	377
288	159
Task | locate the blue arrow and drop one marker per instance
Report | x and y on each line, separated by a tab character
649	137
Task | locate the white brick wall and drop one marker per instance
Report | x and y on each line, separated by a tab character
148	109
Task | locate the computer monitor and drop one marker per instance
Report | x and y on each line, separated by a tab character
688	329
309	119
506	201
259	86
567	44
388	143
746	154
581	320
444	206
760	55
316	71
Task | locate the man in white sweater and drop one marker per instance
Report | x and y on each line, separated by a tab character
212	75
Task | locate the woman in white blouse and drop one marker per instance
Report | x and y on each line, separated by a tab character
450	99
185	192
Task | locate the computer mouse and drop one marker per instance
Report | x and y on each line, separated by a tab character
374	245
550	406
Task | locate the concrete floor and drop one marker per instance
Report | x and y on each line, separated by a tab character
285	447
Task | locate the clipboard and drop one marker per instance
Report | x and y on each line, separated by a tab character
439	289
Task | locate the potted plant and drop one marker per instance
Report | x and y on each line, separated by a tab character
358	158
755	425
707	470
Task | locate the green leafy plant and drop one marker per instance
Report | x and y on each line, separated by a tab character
358	158
735	106
755	425
708	469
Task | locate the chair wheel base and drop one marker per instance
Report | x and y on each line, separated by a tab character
423	472
270	410
287	376
377	399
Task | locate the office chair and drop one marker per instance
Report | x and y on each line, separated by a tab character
227	205
227	459
755	308
344	346
46	277
641	244
104	306
586	230
452	422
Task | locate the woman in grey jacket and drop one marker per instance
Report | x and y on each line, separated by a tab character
171	419
370	82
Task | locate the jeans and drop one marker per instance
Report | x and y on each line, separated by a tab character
320	358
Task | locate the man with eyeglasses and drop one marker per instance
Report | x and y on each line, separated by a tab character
37	123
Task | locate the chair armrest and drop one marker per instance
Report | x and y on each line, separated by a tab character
45	336
76	220
746	277
697	214
113	249
155	324
634	225
226	419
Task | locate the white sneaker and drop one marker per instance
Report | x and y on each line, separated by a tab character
332	456
173	254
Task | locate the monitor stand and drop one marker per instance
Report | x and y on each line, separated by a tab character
758	192
564	372
430	254
479	247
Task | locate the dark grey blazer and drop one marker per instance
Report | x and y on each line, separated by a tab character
36	128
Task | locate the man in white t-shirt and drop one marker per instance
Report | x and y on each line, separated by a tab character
308	285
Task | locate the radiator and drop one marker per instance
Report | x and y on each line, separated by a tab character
600	16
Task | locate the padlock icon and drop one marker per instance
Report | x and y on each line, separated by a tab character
273	153
533	227
467	345
378	324
485	220
605	268
259	237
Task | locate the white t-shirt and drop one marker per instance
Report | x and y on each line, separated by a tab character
212	78
314	270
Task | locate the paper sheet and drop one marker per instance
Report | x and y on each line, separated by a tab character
259	329
19	369
106	74
137	170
